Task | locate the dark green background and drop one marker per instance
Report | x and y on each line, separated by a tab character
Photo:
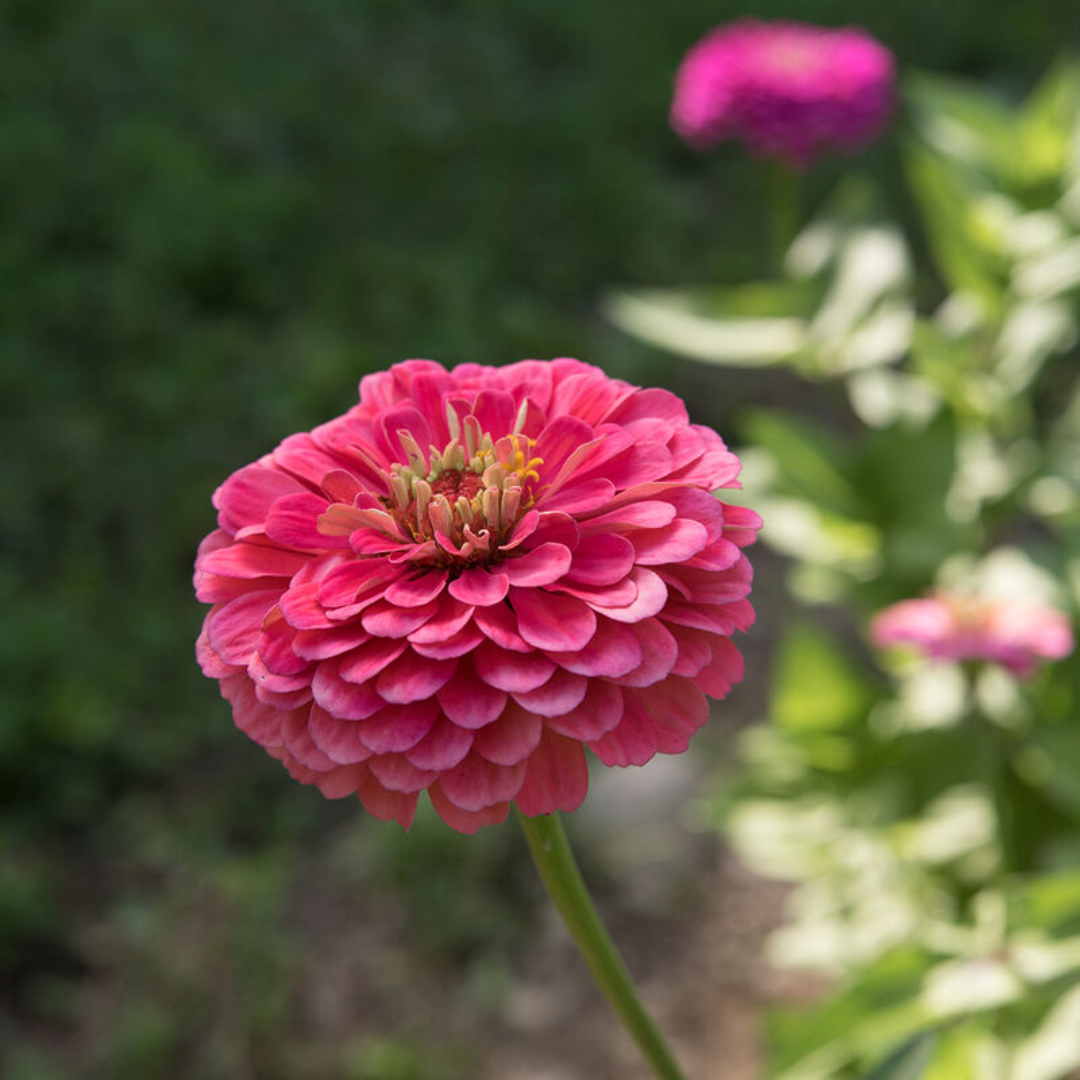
215	218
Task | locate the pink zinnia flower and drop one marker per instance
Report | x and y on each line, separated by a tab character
471	576
785	89
951	626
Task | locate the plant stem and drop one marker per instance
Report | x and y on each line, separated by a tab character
785	199
558	870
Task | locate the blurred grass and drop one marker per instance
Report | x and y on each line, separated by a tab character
216	217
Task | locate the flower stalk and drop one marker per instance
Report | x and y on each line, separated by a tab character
562	879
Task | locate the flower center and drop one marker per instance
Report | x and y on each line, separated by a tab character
465	499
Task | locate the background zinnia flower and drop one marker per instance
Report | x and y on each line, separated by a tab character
953	626
469	577
784	89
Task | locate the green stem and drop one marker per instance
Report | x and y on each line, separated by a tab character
785	209
561	877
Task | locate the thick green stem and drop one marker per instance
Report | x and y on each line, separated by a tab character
559	872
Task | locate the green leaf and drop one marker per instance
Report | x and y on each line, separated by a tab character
743	326
817	689
810	459
964	259
909	1062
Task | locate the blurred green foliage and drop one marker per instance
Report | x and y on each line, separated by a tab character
216	218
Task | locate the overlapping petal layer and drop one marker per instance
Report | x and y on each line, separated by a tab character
784	88
469	578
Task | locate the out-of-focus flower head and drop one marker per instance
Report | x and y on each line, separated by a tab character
471	576
785	89
957	626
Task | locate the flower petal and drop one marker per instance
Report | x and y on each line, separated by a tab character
550	621
470	701
510	671
412	678
556	777
511	738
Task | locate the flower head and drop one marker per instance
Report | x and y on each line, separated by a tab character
785	89
471	576
959	626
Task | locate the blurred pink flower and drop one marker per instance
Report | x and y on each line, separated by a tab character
786	89
469	577
949	626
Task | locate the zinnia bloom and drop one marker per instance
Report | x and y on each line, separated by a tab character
955	626
471	576
785	89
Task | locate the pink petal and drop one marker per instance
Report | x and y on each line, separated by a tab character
718	555
600	597
562	436
601	710
723	619
397	727
464	821
385	620
659	651
413	678
396	773
246	497
451	617
414	592
340	486
476	782
631	742
676	709
340	782
549	621
500	626
260	723
299	742
470	701
556	777
336	738
294	522
213	667
561	694
579	498
275	646
464	641
344	699
540	566
352	580
479	587
651	598
674	543
613	651
302	610
368	659
725	669
496	411
387	805
322	644
646	514
602	559
654	402
245	560
233	630
510	671
442	747
512	738
695	650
